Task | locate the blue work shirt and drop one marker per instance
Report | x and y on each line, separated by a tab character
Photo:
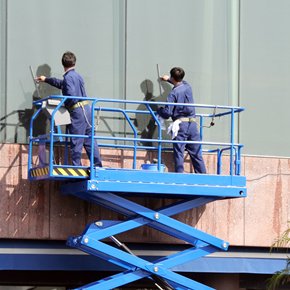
71	85
181	93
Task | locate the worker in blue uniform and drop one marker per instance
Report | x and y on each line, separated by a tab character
184	125
72	84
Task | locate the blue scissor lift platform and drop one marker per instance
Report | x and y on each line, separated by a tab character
113	187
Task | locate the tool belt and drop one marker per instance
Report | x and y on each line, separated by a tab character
77	105
187	119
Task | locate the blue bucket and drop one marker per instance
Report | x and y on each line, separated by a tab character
152	167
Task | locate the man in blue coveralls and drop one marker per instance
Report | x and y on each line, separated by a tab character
183	118
80	111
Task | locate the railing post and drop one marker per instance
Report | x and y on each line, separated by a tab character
219	161
92	137
232	140
238	161
159	146
201	122
31	138
51	141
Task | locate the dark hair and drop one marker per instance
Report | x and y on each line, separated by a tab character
177	73
68	59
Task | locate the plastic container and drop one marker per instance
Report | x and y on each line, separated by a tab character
152	167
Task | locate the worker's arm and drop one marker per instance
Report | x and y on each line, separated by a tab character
52	81
167	111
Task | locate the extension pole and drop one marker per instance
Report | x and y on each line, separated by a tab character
158	74
35	83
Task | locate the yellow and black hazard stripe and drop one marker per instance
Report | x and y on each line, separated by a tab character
37	172
59	171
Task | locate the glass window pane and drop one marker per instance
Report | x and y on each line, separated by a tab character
37	36
195	35
264	77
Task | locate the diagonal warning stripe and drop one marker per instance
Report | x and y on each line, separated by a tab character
59	171
73	172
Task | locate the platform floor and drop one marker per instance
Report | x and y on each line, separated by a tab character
143	182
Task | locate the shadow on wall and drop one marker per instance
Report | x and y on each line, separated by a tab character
23	116
42	125
145	123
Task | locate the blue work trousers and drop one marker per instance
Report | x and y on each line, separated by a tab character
81	125
188	131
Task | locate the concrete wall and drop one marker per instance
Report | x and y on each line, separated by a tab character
37	210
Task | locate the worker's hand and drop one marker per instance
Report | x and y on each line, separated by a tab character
165	78
40	79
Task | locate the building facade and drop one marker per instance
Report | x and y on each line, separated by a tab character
234	52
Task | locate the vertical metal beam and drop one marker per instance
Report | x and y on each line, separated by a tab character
120	55
3	68
234	56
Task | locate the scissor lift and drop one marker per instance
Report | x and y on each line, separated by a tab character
113	187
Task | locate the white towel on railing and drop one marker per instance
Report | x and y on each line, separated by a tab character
174	128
